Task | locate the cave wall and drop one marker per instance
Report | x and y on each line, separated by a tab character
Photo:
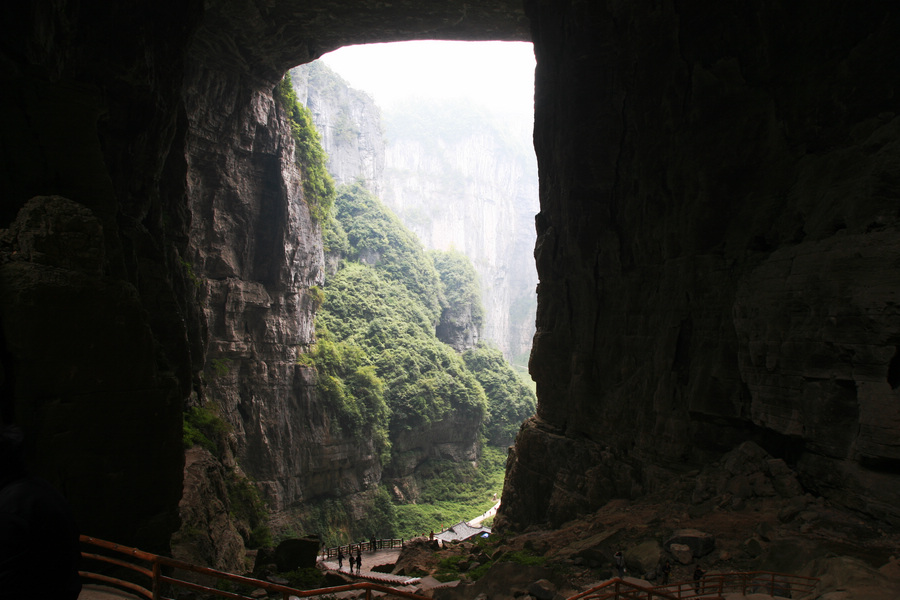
717	249
717	242
95	315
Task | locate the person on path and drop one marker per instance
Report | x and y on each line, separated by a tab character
698	575
666	571
620	564
358	560
340	559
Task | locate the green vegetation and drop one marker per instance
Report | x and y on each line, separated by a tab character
381	371
350	386
318	186
247	506
378	238
453	492
510	400
449	568
202	426
460	282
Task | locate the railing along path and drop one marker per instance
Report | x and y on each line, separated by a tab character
157	571
370	546
710	587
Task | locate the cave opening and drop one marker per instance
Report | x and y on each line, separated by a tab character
439	134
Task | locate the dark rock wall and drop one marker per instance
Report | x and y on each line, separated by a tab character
94	310
717	248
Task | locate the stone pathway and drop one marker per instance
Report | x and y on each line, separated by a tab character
101	592
371	560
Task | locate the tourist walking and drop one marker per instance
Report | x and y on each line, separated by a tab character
698	575
358	560
620	564
340	559
666	571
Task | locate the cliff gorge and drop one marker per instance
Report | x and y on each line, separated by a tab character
460	177
716	243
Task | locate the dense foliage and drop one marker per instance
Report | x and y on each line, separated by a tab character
459	282
318	187
378	238
382	370
510	401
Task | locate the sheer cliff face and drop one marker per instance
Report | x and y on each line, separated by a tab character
717	250
473	190
348	122
460	178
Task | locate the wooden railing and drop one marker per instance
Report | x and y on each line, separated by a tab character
709	587
619	589
157	572
151	575
364	546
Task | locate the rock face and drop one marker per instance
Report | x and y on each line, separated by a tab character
460	181
716	243
716	248
458	177
348	122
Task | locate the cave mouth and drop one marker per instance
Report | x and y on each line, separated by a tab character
454	90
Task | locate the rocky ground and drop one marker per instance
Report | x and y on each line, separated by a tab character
746	513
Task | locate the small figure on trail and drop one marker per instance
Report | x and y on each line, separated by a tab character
358	560
431	537
666	571
374	542
340	559
698	575
620	564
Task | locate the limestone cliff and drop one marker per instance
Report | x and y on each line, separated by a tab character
457	176
348	122
465	179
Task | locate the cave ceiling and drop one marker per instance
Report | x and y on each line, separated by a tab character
273	36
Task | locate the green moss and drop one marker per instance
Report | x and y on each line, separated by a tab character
202	426
318	186
247	506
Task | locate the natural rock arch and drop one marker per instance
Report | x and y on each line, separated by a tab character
689	154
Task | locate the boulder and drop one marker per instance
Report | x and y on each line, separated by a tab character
542	589
699	542
681	553
752	547
644	557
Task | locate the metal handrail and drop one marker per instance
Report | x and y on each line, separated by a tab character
380	544
154	572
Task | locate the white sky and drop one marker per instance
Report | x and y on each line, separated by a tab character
498	75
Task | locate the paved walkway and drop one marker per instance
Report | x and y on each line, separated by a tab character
490	513
101	592
370	560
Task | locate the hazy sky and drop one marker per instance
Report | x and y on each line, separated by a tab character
499	75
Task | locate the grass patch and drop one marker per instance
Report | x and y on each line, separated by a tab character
452	493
